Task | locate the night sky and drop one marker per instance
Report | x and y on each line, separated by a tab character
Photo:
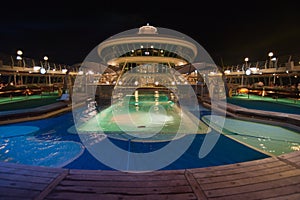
229	31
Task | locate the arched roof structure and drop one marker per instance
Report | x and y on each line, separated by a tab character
147	44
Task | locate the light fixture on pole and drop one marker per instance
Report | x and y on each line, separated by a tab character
270	54
273	60
46	58
19	53
243	69
19	57
46	62
248	72
43	69
246	60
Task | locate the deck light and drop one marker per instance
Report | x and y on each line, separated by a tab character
43	70
19	52
248	72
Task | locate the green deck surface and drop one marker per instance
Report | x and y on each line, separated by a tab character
23	102
284	105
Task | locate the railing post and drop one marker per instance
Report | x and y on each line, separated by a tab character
12	62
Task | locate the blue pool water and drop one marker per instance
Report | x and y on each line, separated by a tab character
48	142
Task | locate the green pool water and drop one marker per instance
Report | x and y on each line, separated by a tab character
145	118
270	139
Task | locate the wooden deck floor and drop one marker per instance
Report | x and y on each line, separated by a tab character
271	178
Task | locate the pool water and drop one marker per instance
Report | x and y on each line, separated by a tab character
144	119
38	143
57	141
50	144
226	151
269	139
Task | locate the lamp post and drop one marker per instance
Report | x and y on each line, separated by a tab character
270	54
243	69
246	61
47	68
46	61
19	57
273	60
43	68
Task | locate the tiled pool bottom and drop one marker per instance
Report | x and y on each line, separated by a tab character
50	144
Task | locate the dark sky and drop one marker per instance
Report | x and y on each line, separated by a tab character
229	31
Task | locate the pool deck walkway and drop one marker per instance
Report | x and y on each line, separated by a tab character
273	178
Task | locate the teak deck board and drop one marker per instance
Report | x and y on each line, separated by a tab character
269	178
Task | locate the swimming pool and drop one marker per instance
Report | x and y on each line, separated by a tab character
144	119
54	142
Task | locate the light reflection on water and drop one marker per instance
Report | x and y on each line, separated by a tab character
45	149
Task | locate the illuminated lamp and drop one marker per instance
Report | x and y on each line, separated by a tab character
43	70
248	72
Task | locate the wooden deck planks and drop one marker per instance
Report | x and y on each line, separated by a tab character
291	158
248	179
89	196
262	179
18	193
269	178
106	184
264	194
125	190
238	169
135	184
295	196
196	187
266	185
237	166
254	175
25	182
